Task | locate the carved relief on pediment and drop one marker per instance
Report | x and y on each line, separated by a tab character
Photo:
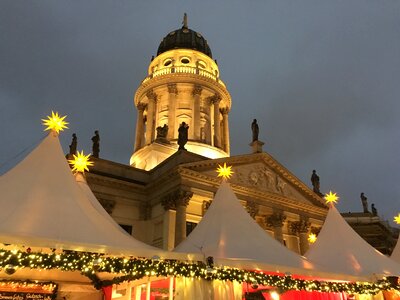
261	177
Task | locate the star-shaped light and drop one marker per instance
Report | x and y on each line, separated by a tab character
312	237
55	122
81	162
331	197
224	171
397	219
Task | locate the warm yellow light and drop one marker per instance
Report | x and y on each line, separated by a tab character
81	162
312	237
274	295
331	197
397	219
55	122
224	171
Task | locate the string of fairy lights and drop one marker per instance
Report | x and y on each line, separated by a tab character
129	268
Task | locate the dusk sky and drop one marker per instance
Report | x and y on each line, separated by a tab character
321	77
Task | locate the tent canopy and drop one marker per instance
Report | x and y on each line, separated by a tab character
232	237
342	250
44	206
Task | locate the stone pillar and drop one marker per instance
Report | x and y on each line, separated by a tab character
276	222
217	125
168	202
196	111
139	126
172	92
151	110
207	128
182	201
168	242
226	146
303	228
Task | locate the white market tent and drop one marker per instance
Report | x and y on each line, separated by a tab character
44	206
233	238
342	250
396	252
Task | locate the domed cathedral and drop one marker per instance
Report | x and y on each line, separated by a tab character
183	88
182	136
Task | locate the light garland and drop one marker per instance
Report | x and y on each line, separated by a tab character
134	268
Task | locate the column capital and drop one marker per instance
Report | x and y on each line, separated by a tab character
224	110
197	89
252	208
214	99
141	106
172	88
296	227
151	95
275	220
176	198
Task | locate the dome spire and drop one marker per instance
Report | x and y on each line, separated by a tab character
185	21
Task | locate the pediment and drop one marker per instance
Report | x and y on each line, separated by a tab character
262	173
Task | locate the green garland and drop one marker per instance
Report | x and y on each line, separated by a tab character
134	268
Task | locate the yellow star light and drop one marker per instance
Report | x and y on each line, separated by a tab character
397	219
55	122
331	197
81	162
312	237
224	171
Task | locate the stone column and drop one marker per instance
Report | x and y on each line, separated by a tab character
182	201
304	227
139	126
276	222
151	110
196	111
207	127
172	92
226	146
300	230
169	205
217	125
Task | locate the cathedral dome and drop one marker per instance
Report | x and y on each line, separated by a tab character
184	38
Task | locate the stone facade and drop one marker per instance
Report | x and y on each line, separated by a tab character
164	188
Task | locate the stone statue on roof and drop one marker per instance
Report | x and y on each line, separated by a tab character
96	144
183	135
364	202
255	130
74	144
185	21
315	182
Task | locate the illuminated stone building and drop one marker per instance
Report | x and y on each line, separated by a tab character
165	191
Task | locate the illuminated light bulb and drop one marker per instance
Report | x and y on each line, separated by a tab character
312	237
81	162
331	197
224	171
396	219
274	295
55	122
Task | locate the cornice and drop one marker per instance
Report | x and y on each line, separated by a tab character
270	161
254	194
181	78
